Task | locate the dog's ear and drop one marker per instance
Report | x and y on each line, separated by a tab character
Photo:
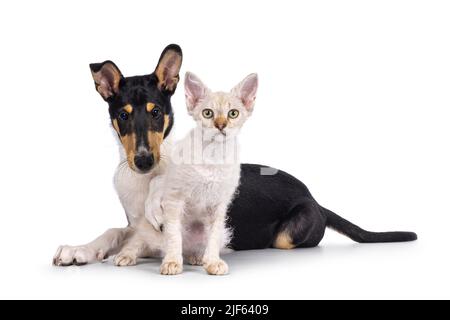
195	90
107	78
168	68
246	91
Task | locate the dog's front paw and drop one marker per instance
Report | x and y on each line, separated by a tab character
125	260
154	215
216	268
194	260
170	268
79	255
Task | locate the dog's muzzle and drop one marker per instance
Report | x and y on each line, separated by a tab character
144	161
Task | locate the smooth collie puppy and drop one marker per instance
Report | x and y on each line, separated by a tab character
202	177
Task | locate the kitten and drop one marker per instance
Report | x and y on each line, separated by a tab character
192	198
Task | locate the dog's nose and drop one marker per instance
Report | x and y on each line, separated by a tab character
144	161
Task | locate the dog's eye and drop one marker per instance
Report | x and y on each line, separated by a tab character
233	114
156	113
208	113
123	116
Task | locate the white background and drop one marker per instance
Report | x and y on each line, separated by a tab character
353	100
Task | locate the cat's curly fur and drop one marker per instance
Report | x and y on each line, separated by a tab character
202	177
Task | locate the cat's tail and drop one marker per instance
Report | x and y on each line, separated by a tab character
357	234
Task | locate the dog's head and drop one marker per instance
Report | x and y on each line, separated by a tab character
140	107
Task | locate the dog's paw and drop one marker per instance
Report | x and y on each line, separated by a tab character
194	260
80	255
216	268
170	268
154	215
125	260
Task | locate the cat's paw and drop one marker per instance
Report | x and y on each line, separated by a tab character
125	260
154	215
170	268
78	255
216	268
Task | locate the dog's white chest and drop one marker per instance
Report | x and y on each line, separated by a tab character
132	189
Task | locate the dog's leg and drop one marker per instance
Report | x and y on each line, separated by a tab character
194	259
136	247
129	254
107	244
303	228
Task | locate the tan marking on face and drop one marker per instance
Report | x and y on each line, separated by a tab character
284	241
155	140
166	123
116	126
220	122
150	107
128	108
129	144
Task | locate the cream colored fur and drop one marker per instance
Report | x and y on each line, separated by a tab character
201	179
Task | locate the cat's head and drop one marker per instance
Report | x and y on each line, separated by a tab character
223	112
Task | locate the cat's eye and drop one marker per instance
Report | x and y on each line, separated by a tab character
233	114
208	113
123	116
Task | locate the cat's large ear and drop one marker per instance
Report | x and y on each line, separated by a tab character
107	77
168	68
246	91
195	90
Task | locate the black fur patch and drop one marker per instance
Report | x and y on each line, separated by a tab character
267	205
137	92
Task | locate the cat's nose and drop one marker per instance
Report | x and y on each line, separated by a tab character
221	126
220	123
